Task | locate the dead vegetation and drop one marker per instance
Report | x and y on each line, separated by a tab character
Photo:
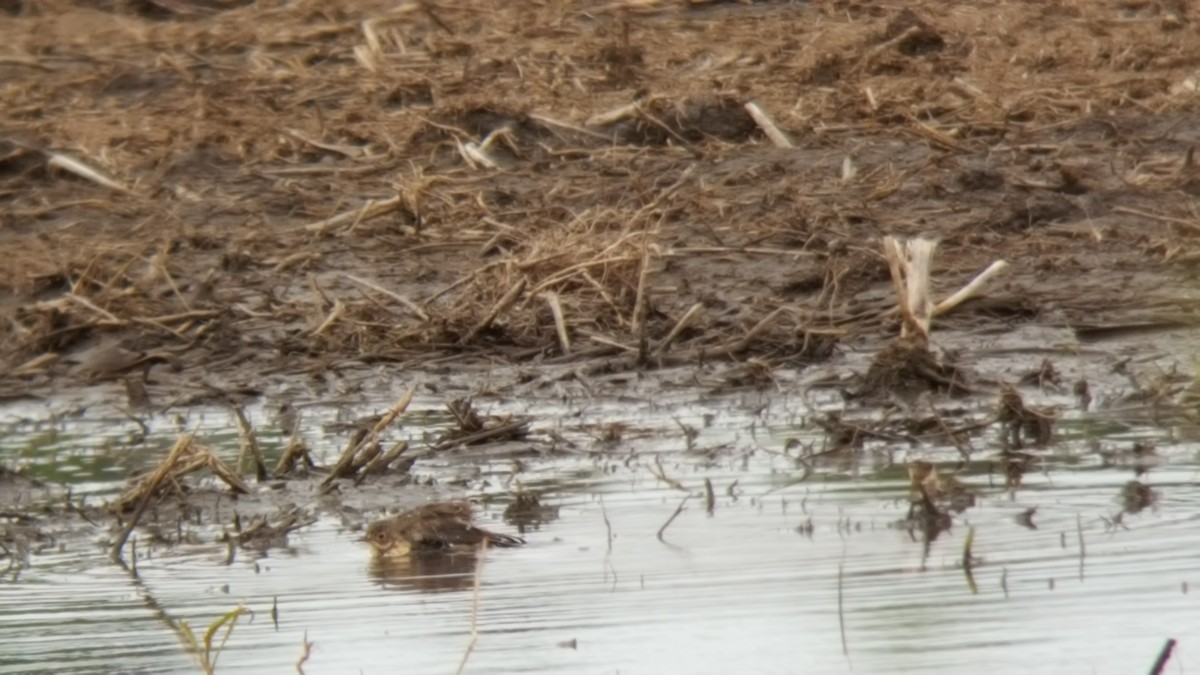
238	189
210	193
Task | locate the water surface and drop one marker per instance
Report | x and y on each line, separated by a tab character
751	587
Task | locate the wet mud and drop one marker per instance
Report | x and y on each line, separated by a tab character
266	208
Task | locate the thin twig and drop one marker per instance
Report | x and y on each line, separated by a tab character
678	510
304	654
1189	224
680	325
408	304
334	315
842	614
607	526
499	308
759	327
1164	655
372	209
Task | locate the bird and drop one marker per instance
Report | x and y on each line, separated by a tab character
435	527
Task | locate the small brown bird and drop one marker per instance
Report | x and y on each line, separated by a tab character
440	526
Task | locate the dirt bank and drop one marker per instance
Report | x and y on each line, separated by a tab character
291	189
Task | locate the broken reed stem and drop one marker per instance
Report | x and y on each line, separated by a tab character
560	323
867	58
347	459
56	160
499	308
1191	225
680	325
613	116
550	121
926	131
364	457
334	315
967	559
372	209
222	471
893	252
920	264
482	557
381	462
475	155
579	268
678	510
305	652
293	452
1164	655
249	445
660	473
649	117
842	614
92	306
637	320
151	486
604	295
764	122
910	264
478	436
759	327
966	292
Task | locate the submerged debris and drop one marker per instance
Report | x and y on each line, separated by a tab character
1142	456
942	489
1137	497
264	532
1014	464
1022	424
1044	377
474	428
906	368
933	497
527	512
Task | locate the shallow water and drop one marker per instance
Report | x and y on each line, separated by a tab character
745	589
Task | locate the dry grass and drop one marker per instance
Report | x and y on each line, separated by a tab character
308	184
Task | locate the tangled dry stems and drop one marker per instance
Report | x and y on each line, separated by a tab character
411	182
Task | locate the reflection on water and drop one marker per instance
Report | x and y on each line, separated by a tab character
426	572
751	587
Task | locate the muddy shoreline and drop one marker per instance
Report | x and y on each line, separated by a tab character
639	241
626	207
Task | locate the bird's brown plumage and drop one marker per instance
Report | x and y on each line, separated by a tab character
439	526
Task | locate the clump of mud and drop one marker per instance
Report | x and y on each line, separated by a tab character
906	368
